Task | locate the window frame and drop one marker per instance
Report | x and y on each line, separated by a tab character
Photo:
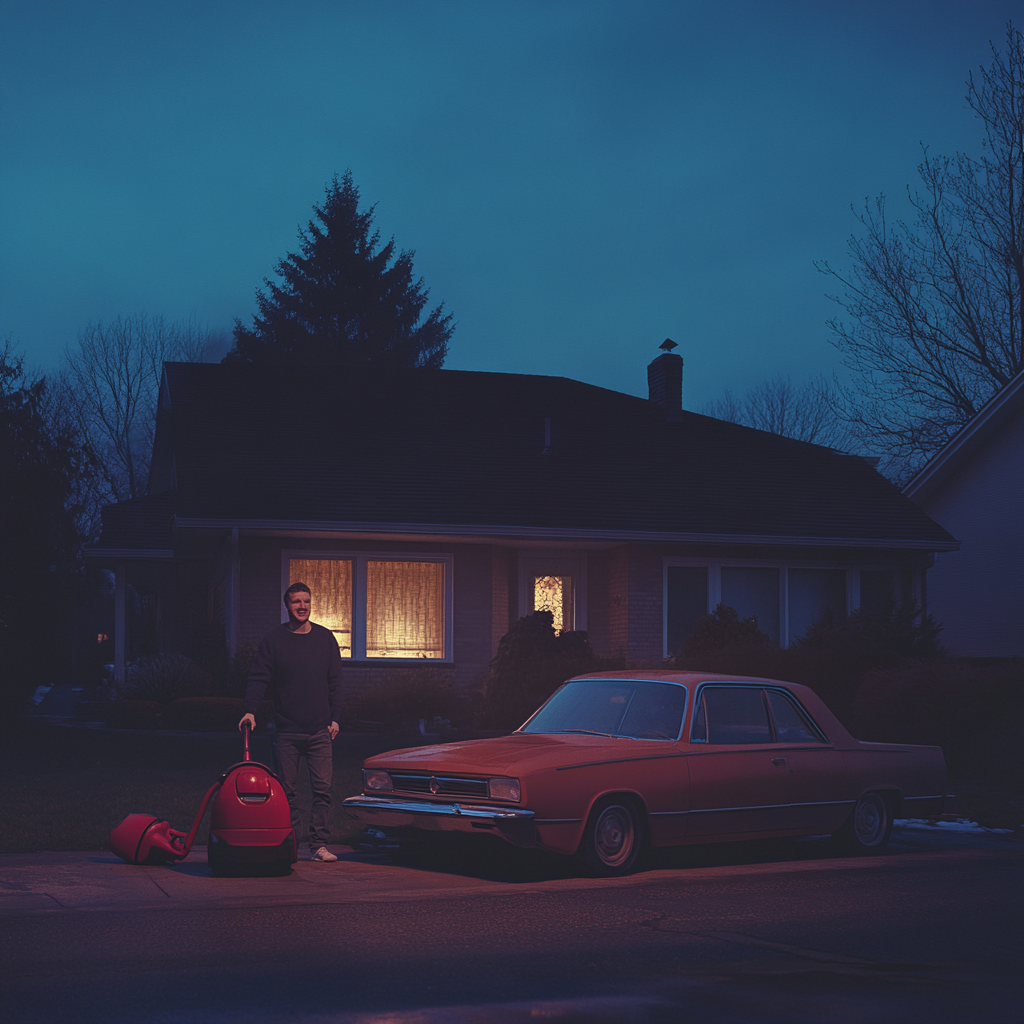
714	567
359	560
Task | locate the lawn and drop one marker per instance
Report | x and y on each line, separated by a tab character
64	788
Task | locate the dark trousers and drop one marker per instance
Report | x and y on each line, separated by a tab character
316	750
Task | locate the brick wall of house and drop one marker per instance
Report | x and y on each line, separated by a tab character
618	603
502	579
645	615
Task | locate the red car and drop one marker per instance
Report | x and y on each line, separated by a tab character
617	761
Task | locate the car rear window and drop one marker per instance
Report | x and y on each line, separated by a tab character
731	714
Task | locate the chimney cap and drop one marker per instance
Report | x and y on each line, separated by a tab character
667	345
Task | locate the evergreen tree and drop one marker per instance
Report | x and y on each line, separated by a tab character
344	298
41	575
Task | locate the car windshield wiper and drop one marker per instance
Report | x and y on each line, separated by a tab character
590	732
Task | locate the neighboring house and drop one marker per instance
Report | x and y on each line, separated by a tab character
428	509
974	487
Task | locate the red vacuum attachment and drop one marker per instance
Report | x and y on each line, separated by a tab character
250	826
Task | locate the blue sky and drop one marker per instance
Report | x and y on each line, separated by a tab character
579	180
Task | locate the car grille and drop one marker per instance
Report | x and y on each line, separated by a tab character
446	785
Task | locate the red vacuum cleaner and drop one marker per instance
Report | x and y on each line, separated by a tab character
250	826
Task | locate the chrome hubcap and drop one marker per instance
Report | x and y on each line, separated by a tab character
869	821
613	835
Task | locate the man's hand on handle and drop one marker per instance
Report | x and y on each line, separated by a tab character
251	719
333	729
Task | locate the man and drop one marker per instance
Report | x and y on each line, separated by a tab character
301	662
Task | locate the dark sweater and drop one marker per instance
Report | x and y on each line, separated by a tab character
303	671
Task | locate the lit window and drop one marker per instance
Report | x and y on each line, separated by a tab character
330	584
405	609
554	594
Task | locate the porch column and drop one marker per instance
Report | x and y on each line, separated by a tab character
233	595
120	623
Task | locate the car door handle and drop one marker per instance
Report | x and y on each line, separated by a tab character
779	760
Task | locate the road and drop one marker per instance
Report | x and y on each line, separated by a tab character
748	933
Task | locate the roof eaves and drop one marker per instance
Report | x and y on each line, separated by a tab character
556	533
948	458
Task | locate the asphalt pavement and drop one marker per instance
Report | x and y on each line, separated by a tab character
745	932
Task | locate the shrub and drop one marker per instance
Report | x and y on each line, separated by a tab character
975	713
214	714
164	678
408	694
134	714
724	629
238	669
532	662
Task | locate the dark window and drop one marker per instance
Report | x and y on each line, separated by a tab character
875	590
791	725
736	714
687	596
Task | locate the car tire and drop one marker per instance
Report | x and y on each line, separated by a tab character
868	827
613	841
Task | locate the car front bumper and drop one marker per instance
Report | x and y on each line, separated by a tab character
398	815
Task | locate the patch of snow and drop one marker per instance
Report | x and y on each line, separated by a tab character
962	825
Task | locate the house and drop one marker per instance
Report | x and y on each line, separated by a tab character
428	509
974	487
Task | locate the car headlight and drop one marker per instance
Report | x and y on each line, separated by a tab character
377	782
504	789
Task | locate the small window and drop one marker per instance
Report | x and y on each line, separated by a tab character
812	593
791	725
553	594
736	714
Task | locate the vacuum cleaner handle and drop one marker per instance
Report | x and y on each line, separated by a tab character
245	739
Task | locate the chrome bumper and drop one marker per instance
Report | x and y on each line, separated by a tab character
394	814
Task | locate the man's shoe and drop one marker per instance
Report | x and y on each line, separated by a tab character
324	856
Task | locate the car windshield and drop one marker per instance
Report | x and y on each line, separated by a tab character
634	708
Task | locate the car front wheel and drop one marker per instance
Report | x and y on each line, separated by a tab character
867	829
613	840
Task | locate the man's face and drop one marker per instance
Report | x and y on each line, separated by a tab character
298	606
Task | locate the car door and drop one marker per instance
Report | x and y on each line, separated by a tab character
817	790
738	778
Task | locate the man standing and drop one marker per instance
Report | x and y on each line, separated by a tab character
301	662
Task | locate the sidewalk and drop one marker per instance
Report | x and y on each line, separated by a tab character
35	883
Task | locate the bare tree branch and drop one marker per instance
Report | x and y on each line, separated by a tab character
935	307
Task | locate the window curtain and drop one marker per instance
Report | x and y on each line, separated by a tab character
330	584
405	609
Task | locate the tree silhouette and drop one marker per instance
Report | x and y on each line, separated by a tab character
41	575
344	299
935	308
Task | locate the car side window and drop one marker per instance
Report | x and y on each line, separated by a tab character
734	714
791	725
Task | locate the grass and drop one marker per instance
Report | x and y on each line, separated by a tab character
65	788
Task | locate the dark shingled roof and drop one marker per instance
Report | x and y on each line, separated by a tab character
454	447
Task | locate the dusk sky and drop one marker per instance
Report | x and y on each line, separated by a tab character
579	179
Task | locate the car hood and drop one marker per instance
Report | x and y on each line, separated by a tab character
501	755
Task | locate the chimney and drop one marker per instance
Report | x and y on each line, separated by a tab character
665	379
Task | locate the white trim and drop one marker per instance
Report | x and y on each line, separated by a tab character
359	560
455	530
